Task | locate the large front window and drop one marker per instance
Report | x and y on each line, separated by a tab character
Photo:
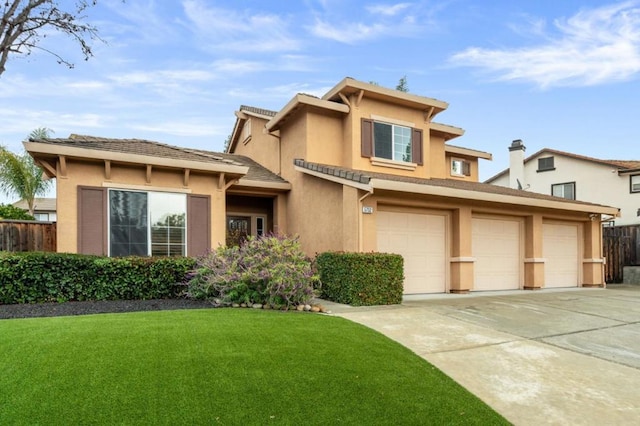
147	223
392	142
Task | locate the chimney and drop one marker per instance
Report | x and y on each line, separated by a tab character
516	164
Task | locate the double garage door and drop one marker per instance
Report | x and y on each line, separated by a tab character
497	246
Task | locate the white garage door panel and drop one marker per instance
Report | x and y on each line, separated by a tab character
496	249
560	247
420	239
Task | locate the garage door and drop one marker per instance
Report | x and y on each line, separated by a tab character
420	239
497	253
560	248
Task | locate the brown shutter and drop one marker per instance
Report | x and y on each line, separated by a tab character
92	220
466	168
198	224
366	143
416	146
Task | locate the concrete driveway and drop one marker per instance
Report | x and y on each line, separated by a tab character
545	357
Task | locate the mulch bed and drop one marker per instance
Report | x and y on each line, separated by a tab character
35	310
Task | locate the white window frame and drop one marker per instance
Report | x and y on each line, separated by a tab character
634	184
458	167
563	191
394	134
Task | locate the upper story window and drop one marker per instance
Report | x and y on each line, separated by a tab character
391	142
545	164
460	167
564	190
635	183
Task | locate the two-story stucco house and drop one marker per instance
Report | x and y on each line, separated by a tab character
575	177
363	168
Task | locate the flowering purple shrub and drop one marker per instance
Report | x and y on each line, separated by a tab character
271	270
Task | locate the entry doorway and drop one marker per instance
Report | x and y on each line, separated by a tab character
240	227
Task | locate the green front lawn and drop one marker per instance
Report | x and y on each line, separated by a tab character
220	366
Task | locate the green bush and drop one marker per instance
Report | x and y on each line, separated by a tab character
57	277
271	270
7	211
361	279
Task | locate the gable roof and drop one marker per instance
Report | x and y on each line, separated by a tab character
621	165
141	151
369	181
257	111
39	204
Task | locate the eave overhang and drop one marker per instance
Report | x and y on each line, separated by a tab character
349	86
372	184
39	150
468	152
445	131
278	186
299	101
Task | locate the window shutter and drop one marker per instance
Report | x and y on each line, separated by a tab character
92	221
198	224
416	146
466	168
366	143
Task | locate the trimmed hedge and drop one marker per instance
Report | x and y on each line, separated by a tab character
361	279
38	277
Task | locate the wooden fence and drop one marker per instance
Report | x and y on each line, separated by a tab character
621	247
18	235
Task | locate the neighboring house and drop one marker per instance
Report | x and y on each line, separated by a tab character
575	177
44	209
363	168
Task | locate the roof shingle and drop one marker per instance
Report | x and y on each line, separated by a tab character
156	149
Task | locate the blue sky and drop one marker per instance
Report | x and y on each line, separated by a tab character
557	74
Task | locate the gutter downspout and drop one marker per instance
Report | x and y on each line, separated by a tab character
359	206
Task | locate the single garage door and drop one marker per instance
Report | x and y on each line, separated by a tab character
560	248
497	252
421	240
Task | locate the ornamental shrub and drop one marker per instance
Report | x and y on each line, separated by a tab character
361	279
36	277
271	270
9	212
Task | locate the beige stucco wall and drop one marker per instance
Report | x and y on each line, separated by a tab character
80	173
262	147
324	136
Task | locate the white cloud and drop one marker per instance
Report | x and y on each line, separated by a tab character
594	46
388	10
182	128
228	29
382	21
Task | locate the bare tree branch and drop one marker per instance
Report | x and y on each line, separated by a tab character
24	24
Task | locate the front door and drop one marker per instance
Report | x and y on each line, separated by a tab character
238	228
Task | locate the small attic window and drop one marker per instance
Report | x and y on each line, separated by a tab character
460	167
545	164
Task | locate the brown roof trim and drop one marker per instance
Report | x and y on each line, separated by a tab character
135	151
621	165
450	188
37	148
258	111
